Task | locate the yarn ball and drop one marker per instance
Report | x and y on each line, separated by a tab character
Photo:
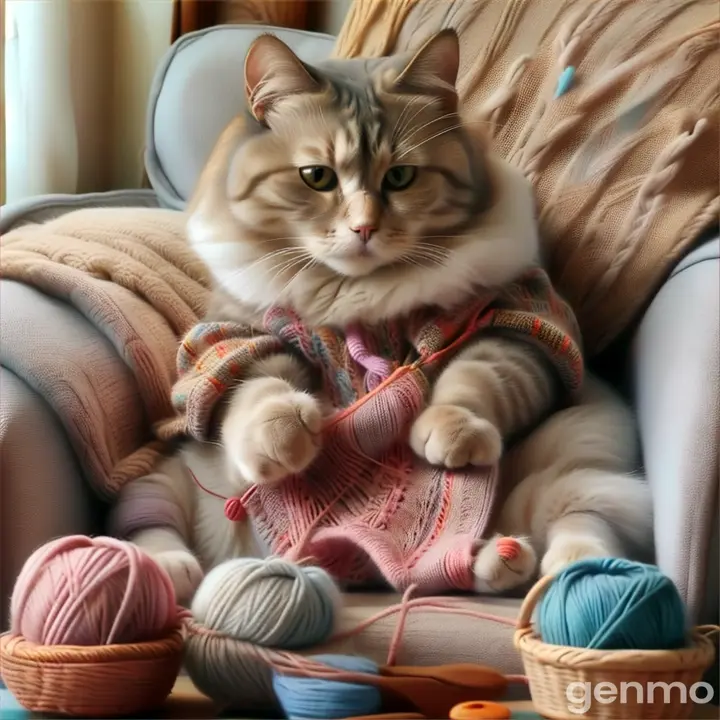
305	697
79	590
613	604
269	602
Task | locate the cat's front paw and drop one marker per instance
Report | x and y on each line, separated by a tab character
184	571
279	437
453	437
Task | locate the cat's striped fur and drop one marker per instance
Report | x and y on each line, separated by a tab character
365	250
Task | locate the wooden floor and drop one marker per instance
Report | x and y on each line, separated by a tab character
186	702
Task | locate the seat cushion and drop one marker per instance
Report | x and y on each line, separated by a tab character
62	356
424	640
198	89
42	491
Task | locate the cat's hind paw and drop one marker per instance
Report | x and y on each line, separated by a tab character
504	563
566	550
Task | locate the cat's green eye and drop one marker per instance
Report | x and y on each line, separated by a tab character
319	177
399	177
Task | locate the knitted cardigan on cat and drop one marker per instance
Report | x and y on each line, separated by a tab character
368	509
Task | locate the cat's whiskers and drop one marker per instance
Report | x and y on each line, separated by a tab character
438	259
264	258
429	248
446	237
413	259
289	237
295	276
399	118
407	124
285	265
427	140
262	241
396	129
308	266
422	243
240	272
427	124
443	132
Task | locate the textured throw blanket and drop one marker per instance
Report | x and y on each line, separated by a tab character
368	509
610	107
132	275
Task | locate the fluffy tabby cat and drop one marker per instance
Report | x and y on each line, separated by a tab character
352	192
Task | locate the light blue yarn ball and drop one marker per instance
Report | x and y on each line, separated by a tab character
270	602
302	697
613	604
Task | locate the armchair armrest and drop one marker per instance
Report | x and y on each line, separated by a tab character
676	365
45	207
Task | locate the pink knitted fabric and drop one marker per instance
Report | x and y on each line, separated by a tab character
368	509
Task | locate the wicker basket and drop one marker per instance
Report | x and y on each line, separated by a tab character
102	681
567	682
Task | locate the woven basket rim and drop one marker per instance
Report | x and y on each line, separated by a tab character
20	647
698	655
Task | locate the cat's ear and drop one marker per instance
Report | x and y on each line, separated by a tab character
272	70
433	69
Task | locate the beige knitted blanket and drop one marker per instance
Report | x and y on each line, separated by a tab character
132	275
625	162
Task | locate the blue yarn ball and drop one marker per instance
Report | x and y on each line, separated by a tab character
302	697
613	604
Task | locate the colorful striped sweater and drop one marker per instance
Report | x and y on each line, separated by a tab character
368	509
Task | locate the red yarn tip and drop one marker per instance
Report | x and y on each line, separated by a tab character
508	548
235	510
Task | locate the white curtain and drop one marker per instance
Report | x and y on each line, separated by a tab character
41	132
58	96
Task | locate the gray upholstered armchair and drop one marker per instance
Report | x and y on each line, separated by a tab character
674	352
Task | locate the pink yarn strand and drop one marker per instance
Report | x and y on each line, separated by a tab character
297	664
131	552
400	627
288	663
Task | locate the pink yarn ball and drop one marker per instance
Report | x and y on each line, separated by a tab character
92	591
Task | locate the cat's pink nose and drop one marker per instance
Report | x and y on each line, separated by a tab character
364	232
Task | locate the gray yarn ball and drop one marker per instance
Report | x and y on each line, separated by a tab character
269	602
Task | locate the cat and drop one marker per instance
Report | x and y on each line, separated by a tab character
352	191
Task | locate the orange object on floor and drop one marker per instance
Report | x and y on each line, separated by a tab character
480	711
390	716
433	691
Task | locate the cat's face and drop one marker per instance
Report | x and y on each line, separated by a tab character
353	191
358	168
